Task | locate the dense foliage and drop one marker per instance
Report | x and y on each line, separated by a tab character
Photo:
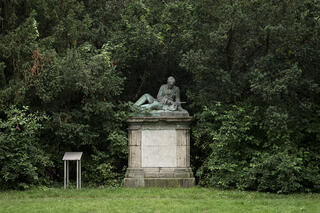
248	70
23	160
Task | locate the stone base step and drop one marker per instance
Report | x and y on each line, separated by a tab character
159	182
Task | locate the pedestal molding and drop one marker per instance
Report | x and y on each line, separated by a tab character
159	152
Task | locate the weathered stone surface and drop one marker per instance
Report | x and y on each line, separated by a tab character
135	138
182	139
134	182
169	182
134	156
183	173
134	173
181	156
159	182
158	148
167	170
159	152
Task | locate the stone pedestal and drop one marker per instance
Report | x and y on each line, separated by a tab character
159	152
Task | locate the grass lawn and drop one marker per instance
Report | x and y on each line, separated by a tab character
154	200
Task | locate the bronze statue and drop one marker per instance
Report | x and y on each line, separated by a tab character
168	98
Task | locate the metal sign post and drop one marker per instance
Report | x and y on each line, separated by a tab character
66	158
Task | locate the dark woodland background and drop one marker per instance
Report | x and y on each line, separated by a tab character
248	70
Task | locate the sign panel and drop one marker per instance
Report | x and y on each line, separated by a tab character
72	156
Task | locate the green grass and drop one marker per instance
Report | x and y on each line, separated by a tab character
154	200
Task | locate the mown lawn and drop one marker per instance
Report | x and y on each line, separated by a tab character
154	200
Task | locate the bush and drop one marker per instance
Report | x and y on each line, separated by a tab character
23	162
240	152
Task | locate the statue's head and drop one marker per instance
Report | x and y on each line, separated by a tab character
171	81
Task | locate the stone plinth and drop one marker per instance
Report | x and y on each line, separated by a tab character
159	152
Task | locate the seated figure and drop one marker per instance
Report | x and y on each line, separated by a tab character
168	98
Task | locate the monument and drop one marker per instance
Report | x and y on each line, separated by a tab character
159	141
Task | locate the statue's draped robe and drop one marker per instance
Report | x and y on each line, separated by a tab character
167	97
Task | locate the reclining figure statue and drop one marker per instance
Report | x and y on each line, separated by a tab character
168	98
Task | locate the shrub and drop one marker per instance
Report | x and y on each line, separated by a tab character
22	160
240	152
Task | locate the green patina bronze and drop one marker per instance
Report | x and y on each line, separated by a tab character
167	101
